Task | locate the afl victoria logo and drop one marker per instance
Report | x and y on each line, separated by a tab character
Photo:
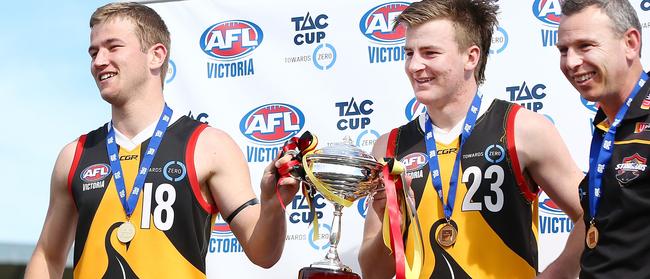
272	123
377	23
229	40
415	161
548	11
549	207
95	173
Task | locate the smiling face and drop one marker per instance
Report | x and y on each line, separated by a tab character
436	68
592	56
118	65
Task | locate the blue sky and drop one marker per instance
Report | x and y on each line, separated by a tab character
48	99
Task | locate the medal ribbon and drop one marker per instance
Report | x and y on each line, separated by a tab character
154	143
600	152
394	182
432	151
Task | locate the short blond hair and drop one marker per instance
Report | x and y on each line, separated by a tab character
149	26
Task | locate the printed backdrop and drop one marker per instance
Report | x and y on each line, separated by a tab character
267	71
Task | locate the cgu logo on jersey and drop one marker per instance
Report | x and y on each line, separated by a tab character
95	173
270	125
528	96
548	12
229	42
223	240
377	25
414	109
354	115
552	219
414	163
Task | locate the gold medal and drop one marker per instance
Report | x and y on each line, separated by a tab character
592	236
447	235
126	232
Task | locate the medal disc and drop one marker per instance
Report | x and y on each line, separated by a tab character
447	235
126	232
592	236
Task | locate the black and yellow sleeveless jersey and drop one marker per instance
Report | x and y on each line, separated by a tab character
623	212
495	211
172	219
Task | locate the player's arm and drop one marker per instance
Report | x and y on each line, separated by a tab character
545	157
57	235
260	228
375	259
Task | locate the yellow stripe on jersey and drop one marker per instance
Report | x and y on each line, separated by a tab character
477	245
147	242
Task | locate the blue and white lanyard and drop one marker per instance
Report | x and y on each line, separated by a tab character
113	158
601	149
432	151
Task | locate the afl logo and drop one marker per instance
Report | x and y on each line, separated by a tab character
362	206
272	123
229	40
414	161
548	11
377	23
548	206
95	172
414	109
592	106
221	229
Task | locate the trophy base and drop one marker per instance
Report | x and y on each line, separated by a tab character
325	273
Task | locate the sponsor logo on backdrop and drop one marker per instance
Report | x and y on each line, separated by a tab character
300	213
322	243
527	95
309	28
499	41
630	169
310	32
548	13
645	6
171	71
386	43
223	241
354	114
551	219
362	206
366	139
414	109
324	56
230	43
201	117
592	106
267	127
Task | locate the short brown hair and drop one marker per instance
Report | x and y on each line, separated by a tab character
149	26
473	20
